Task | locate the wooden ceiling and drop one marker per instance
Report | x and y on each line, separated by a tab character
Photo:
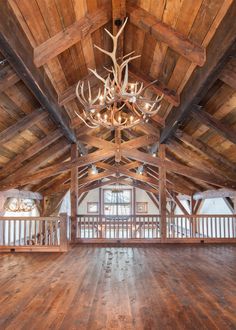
46	46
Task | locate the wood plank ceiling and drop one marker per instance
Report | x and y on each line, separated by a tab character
47	46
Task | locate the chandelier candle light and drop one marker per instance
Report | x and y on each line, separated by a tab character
120	104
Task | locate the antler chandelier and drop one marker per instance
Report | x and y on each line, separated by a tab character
119	104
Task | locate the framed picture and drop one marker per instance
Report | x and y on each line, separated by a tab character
92	207
141	207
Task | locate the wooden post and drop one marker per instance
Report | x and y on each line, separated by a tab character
162	191
100	233
74	192
192	220
63	233
133	223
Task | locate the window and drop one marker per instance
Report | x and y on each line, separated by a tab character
117	202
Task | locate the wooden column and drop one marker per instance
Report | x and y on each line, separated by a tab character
133	226
63	232
74	192
193	220
100	212
162	191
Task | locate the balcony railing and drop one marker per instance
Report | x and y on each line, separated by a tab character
183	228
33	233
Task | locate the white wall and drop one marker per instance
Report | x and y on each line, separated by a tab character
209	206
65	205
141	196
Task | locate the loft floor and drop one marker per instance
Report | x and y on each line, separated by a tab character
94	287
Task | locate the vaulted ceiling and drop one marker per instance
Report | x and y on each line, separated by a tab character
46	47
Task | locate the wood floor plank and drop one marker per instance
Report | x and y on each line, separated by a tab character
120	287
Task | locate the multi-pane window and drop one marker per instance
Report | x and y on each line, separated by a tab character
117	202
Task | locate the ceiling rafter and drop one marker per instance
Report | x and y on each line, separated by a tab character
71	35
224	130
8	78
203	78
162	32
22	124
17	49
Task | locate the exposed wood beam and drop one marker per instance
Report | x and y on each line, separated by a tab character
162	32
71	35
17	49
198	206
138	142
224	130
41	160
229	203
178	168
179	204
16	162
220	193
158	88
154	199
173	184
206	150
74	191
22	125
15	193
8	78
203	78
162	191
82	197
192	158
228	74
95	177
57	168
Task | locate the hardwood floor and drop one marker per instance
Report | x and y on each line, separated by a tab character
142	287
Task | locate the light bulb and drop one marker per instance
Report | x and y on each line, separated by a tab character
147	105
105	117
101	99
132	87
119	119
131	119
98	115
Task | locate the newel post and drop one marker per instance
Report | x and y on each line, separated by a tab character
162	191
63	232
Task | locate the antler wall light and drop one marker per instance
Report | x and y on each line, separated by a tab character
120	104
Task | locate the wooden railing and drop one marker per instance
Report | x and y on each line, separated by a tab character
201	227
118	227
33	233
180	228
